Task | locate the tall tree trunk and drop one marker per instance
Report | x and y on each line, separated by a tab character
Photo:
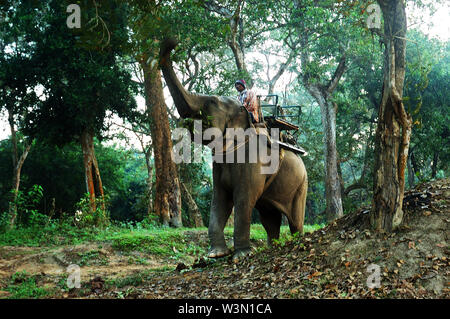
16	183
195	217
168	194
322	94
93	180
394	124
333	193
17	168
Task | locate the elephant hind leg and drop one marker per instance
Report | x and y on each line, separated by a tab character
271	220
297	215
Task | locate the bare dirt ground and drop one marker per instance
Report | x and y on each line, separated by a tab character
55	261
333	262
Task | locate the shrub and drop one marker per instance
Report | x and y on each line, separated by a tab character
26	205
84	216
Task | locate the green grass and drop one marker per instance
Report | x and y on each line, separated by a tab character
90	258
165	242
54	234
156	240
24	286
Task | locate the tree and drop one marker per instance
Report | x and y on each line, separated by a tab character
358	100
426	92
314	24
236	36
17	83
394	123
82	81
140	131
147	22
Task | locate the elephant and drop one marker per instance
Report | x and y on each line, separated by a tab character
240	185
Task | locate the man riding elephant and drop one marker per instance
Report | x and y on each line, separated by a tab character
248	99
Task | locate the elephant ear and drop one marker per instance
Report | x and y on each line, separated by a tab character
240	119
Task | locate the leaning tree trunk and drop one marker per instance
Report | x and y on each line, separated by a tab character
93	180
236	37
17	168
195	217
394	124
322	93
16	184
167	202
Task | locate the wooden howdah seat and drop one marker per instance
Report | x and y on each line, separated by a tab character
274	116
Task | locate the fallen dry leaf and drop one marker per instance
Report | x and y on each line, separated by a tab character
315	274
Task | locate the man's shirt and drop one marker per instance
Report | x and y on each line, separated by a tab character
250	102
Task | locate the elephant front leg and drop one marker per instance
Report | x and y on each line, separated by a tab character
242	219
221	208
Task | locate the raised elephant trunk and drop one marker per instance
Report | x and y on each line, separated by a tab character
186	102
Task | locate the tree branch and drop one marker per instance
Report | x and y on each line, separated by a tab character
337	75
214	7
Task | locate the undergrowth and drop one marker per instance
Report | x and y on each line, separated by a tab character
24	286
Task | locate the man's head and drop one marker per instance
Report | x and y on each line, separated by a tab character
239	85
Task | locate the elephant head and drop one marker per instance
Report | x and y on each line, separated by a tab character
220	112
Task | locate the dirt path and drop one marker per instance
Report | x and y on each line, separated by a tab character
95	258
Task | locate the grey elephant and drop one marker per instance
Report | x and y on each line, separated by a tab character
241	185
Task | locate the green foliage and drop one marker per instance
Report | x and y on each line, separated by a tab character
85	217
123	176
427	86
82	83
55	232
27	203
18	73
126	182
27	209
24	286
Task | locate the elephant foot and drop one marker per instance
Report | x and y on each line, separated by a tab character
219	252
241	253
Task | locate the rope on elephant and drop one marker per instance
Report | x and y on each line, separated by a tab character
255	131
